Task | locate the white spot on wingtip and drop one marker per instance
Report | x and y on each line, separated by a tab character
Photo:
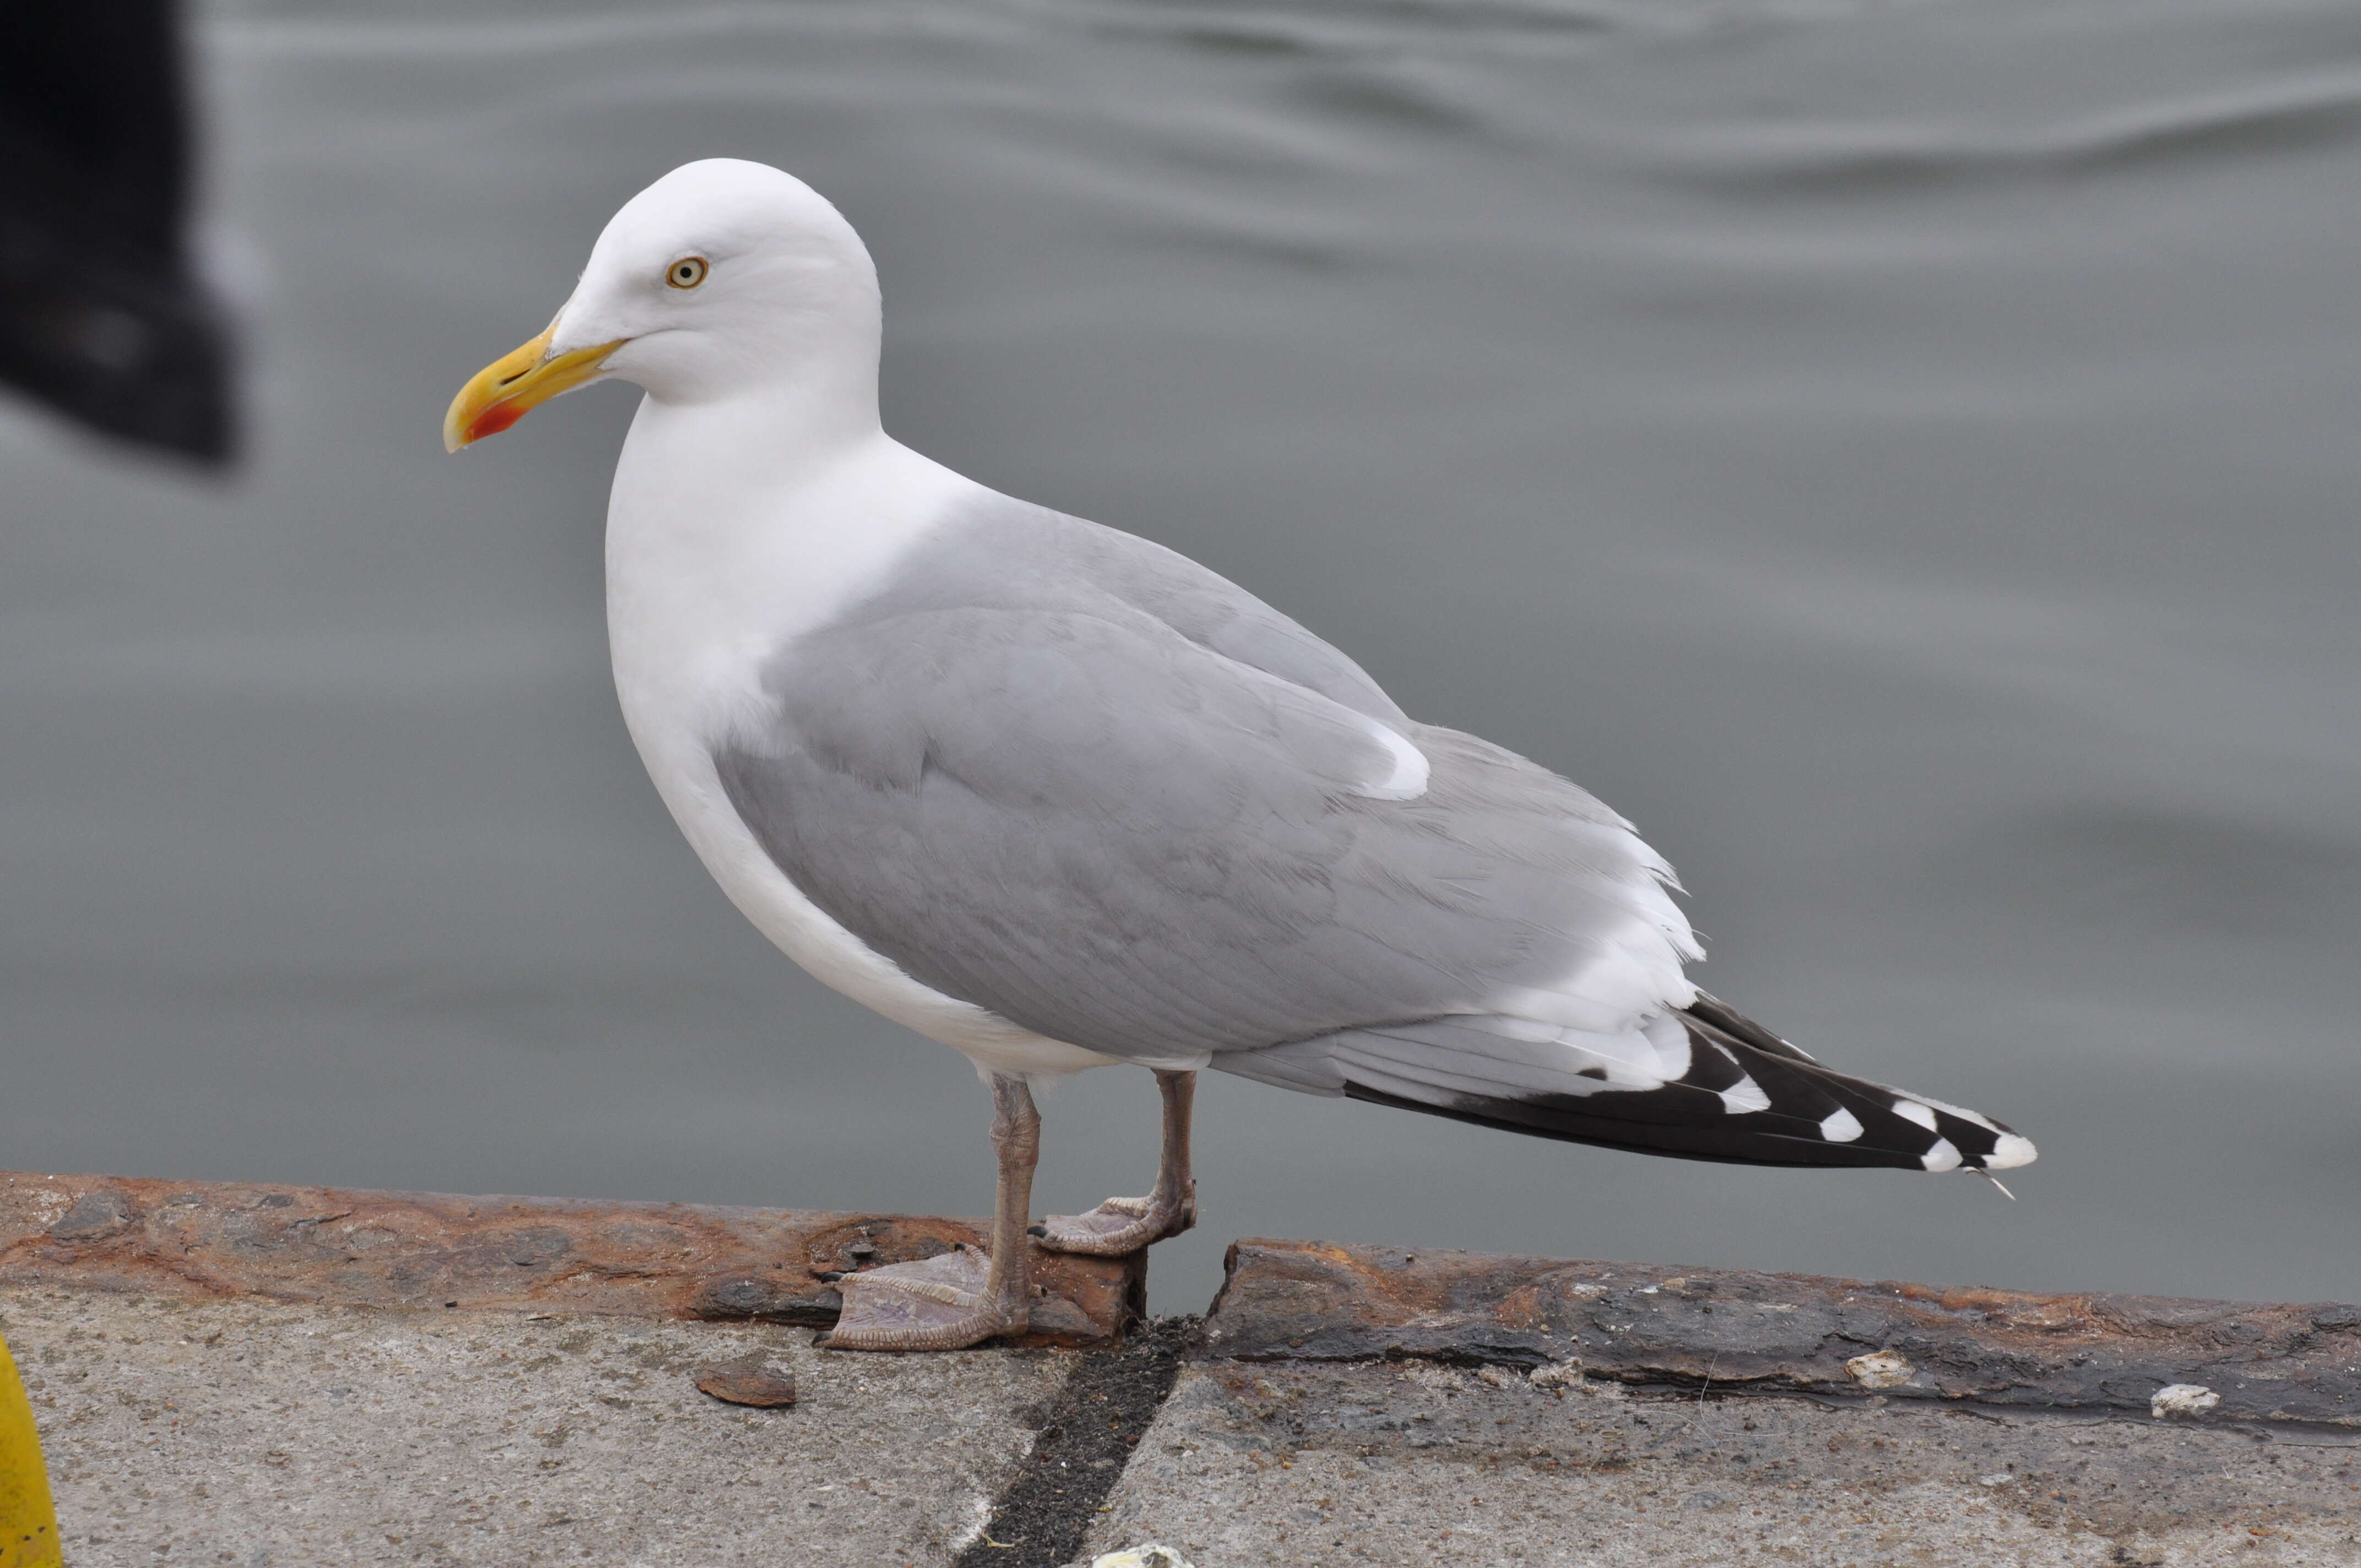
2183	1399
1911	1111
1744	1096
1962	1112
2010	1151
1942	1157
1840	1126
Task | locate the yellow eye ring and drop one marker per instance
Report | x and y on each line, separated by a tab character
687	273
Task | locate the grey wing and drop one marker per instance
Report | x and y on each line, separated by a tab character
1210	610
1085	783
1113	835
999	552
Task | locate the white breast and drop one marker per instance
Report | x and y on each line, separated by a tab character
714	564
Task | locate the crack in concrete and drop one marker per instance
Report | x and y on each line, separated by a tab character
1089	1431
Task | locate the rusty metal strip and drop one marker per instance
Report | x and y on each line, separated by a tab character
1795	1333
554	1254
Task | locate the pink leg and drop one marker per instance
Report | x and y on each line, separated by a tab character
958	1298
1123	1225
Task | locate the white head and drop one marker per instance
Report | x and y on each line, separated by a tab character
724	280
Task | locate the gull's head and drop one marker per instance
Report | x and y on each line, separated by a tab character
723	278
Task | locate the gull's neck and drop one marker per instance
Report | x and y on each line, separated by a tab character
738	524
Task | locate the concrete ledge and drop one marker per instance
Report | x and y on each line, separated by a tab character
655	1261
1793	1333
270	1375
1415	1463
268	1434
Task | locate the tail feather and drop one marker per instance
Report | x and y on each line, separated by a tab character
1725	1089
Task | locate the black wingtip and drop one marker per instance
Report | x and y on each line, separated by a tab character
1745	1097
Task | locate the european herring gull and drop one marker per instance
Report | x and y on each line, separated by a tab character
1059	797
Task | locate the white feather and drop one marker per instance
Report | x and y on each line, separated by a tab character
1911	1111
1840	1126
1744	1096
1408	779
2011	1152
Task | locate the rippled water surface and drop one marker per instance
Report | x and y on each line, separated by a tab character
1901	454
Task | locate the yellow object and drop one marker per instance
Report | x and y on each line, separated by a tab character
519	379
29	1520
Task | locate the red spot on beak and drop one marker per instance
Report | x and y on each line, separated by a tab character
494	419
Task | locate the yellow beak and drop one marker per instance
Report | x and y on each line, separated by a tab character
519	381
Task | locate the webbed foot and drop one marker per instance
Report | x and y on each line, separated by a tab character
1119	1226
944	1302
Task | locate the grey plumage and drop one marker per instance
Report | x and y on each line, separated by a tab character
1082	781
1069	776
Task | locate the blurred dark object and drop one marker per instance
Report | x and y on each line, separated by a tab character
99	316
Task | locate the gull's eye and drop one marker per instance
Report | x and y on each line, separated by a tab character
686	273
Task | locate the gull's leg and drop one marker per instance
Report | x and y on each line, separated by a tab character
1122	1225
958	1298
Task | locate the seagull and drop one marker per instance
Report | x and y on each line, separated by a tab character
1060	798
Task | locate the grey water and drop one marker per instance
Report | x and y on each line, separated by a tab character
1901	454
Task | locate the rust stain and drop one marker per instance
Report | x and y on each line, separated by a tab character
1521	1308
1640	1323
435	1250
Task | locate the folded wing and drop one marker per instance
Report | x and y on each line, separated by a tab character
1079	781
